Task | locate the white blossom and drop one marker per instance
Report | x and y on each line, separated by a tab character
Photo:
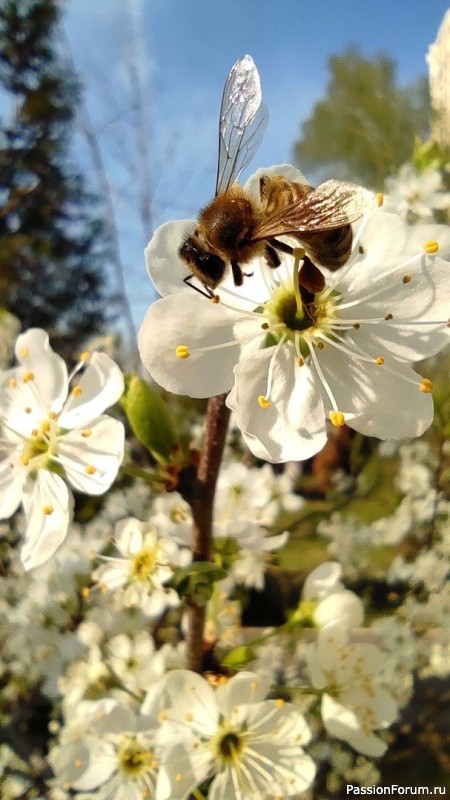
48	436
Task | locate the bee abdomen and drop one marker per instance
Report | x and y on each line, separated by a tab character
329	248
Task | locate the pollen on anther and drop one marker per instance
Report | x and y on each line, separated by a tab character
379	198
24	460
300	362
47	510
379	361
84	356
215	299
178	778
406	279
90	469
264	402
182	351
431	247
426	386
279	702
86	433
28	377
76	391
337	418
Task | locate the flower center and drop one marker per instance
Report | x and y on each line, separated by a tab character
40	446
135	759
144	563
228	746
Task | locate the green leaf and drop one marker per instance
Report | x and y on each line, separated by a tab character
196	581
150	419
239	657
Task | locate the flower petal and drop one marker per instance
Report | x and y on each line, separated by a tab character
101	386
188	319
12	480
293	427
91	457
48	508
33	351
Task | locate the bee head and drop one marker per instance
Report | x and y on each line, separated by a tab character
206	266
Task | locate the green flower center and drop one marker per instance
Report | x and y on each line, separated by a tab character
228	746
135	759
144	563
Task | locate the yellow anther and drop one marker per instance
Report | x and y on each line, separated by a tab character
84	356
426	386
76	391
300	362
52	415
48	510
178	778
431	247
86	433
85	592
77	762
162	716
12	383
24	352
279	702
24	460
337	419
406	279
379	361
28	376
298	252
46	427
188	717
90	470
320	345
182	351
215	299
264	402
379	197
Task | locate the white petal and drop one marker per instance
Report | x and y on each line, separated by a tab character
12	480
33	351
379	402
345	606
322	580
245	687
100	386
165	267
188	319
293	427
344	724
99	448
45	531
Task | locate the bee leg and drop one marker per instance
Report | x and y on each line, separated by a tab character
281	246
205	292
238	275
271	256
310	276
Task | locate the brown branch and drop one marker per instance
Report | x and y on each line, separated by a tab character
200	497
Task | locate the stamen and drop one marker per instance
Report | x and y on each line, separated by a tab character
84	356
337	418
264	402
28	377
379	198
90	469
426	386
323	380
24	352
379	361
47	510
406	279
77	391
182	351
86	433
299	255
431	247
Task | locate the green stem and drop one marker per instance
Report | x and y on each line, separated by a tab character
149	477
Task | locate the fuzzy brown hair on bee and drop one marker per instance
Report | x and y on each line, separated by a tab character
234	229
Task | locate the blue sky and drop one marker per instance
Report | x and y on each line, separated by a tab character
185	51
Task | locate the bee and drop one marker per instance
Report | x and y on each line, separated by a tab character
234	228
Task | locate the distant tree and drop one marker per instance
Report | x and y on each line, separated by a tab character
365	126
51	242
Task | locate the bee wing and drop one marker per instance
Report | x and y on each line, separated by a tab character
243	120
331	205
